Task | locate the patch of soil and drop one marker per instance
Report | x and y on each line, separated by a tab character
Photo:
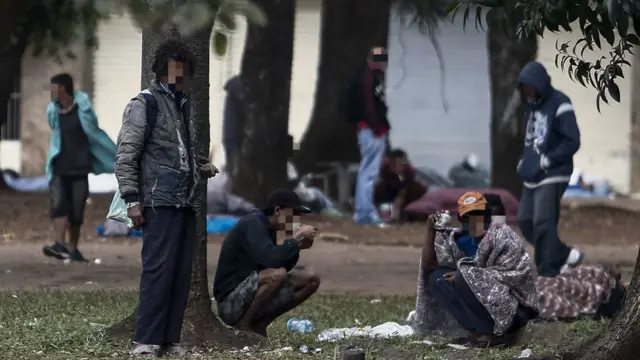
25	218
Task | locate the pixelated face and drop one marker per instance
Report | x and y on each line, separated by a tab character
175	74
529	92
397	164
379	58
287	221
476	225
56	91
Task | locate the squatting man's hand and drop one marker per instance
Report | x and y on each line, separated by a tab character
209	170
305	235
450	277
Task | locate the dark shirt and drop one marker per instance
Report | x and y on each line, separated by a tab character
75	158
367	105
251	246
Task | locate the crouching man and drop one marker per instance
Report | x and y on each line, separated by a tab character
254	282
480	274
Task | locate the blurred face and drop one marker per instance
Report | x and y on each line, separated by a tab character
175	74
397	164
287	221
56	92
379	58
476	225
529	93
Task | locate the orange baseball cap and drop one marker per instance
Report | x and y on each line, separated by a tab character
471	201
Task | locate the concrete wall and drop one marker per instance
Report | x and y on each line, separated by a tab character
36	72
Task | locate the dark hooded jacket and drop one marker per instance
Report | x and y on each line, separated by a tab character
232	109
551	130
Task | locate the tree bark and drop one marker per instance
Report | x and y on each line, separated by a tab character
507	56
349	30
265	144
620	340
200	325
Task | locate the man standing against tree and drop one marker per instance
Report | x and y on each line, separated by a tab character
159	167
77	147
368	109
552	138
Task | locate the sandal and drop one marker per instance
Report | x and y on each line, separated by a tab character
146	350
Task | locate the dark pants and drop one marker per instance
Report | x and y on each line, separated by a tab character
538	219
168	245
459	301
68	197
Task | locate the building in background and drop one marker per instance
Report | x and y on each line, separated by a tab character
431	136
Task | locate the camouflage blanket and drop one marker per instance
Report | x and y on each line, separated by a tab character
575	292
499	274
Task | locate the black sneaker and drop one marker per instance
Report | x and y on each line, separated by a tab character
57	250
76	255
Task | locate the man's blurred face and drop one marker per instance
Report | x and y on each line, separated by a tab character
476	225
175	74
56	92
287	220
529	93
397	164
379	58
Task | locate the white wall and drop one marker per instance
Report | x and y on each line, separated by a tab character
420	125
606	135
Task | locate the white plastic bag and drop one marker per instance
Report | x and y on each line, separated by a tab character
118	210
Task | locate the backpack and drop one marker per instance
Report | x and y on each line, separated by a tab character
152	111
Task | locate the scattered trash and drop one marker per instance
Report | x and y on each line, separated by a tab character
89	283
411	317
304	349
14	296
67	261
526	353
33	322
97	261
8	271
386	330
376	301
357	322
456	346
300	325
426	342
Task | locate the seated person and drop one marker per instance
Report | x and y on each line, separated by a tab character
254	282
480	274
397	184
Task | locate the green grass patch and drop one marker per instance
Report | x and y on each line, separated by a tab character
66	326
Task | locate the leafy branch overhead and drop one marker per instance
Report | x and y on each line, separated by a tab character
51	27
603	24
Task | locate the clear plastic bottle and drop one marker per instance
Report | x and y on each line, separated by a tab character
300	325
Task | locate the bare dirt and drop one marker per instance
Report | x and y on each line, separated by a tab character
346	266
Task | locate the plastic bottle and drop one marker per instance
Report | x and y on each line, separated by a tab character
300	325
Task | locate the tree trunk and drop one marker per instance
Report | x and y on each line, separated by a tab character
200	325
507	56
620	340
349	30
265	143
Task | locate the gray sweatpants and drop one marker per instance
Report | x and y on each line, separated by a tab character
538	217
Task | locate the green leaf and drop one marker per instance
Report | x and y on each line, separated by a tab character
623	25
606	29
636	23
612	10
614	91
633	38
220	43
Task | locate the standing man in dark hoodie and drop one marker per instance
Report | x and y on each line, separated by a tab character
367	109
232	111
160	168
552	138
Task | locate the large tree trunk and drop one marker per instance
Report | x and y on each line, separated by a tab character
201	326
349	30
265	143
507	56
620	340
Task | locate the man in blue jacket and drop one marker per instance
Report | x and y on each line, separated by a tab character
77	147
552	138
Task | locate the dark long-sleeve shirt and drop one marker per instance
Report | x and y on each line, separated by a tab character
251	246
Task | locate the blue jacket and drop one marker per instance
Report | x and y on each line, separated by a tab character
551	131
101	146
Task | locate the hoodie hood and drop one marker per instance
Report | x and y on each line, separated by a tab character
536	75
233	85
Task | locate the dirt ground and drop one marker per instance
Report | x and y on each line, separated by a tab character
345	264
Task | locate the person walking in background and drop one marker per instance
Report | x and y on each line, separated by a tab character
159	168
232	111
368	109
552	138
77	147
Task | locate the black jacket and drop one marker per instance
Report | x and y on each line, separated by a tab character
366	100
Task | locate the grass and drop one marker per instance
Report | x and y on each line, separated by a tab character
66	326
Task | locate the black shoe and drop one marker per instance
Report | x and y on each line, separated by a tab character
57	250
76	256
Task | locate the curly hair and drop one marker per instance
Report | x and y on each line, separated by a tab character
172	50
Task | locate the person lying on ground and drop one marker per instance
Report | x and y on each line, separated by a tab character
397	184
480	274
255	282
